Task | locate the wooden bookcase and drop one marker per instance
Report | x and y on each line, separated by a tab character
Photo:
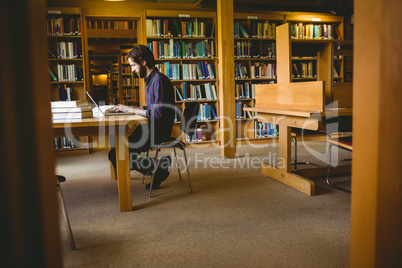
113	93
66	65
115	35
130	84
255	63
184	46
313	57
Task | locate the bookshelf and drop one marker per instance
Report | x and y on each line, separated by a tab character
66	65
311	39
114	84
316	52
184	47
130	83
115	36
307	47
255	63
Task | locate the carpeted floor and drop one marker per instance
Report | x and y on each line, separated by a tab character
236	217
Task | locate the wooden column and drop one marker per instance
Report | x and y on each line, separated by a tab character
376	225
226	78
284	75
325	61
28	202
283	54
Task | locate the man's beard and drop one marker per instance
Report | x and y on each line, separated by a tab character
142	72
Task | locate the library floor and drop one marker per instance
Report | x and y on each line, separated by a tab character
236	217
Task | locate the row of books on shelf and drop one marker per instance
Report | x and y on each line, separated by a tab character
314	31
255	49
189	71
240	112
67	73
61	25
174	28
199	135
262	130
259	29
67	50
182	50
244	90
115	69
127	92
64	143
70	109
171	70
257	70
127	81
110	24
206	112
205	91
115	77
304	70
263	70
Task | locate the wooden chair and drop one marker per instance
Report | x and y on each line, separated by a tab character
343	141
187	127
60	179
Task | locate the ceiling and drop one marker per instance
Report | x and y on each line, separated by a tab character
341	7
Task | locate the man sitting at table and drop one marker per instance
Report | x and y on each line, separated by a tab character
159	96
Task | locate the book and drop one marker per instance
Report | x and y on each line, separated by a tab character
177	28
243	31
213	30
51	54
52	75
56	110
178	94
69	104
73	115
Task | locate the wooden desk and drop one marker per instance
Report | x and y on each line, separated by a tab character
286	119
120	126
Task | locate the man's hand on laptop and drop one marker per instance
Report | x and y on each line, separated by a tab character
120	108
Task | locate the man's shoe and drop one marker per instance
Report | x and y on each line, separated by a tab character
144	165
165	162
158	179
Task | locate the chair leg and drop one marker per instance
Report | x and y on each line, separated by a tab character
295	146
295	163
143	176
64	212
177	162
328	165
188	172
153	174
328	170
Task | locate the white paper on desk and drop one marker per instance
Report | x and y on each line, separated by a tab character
97	113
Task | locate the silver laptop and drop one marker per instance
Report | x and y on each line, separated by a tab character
109	111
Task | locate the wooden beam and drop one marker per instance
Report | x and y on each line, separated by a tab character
376	224
226	78
283	54
29	206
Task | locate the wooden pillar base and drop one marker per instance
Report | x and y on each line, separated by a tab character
295	181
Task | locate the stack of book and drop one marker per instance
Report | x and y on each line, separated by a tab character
77	109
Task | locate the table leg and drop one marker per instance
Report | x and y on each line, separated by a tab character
123	168
113	171
283	174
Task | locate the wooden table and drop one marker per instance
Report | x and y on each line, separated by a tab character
287	119
120	126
